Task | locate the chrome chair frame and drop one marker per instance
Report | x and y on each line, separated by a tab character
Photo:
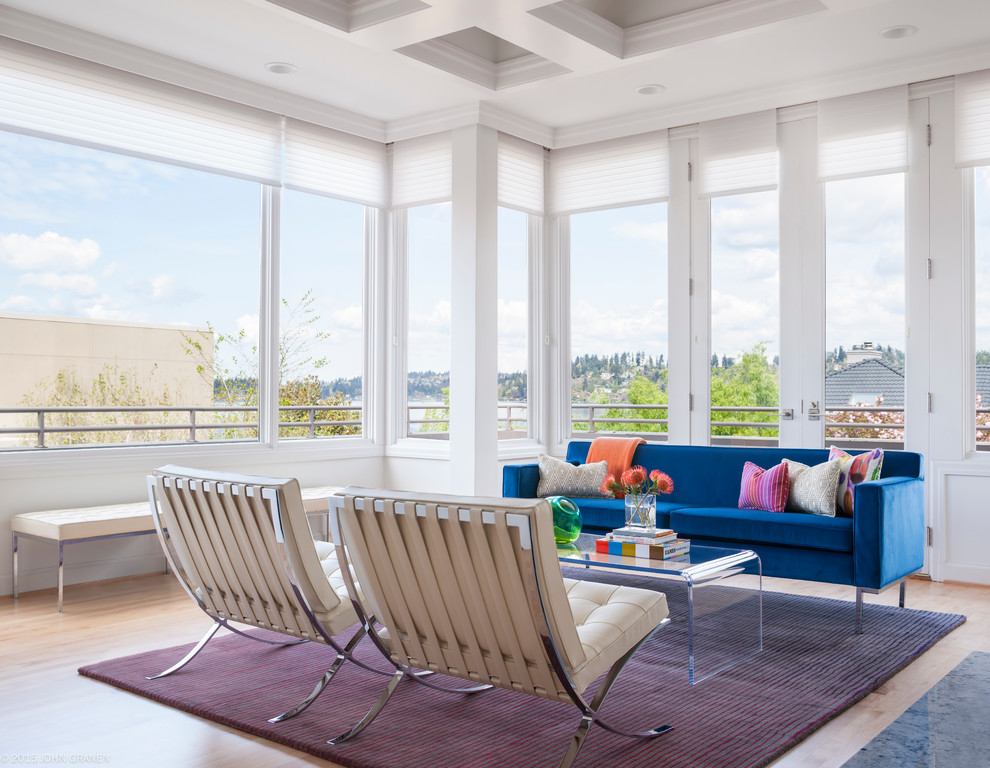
590	710
269	490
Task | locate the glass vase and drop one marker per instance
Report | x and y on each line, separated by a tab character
641	511
566	519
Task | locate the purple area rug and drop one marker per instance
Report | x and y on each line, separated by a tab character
812	668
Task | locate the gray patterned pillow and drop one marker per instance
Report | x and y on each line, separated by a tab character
561	478
813	488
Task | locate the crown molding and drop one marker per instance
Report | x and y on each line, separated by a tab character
520	127
526	69
433	122
583	24
927	74
351	15
455	60
52	35
712	21
470	66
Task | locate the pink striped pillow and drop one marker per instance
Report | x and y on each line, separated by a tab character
764	488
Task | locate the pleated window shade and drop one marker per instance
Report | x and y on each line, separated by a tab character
972	97
52	95
421	170
738	154
863	135
520	174
333	163
609	174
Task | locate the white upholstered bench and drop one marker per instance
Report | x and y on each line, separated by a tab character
71	526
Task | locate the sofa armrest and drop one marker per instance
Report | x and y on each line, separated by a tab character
888	530
520	481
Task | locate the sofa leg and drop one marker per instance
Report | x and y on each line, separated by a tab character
859	610
900	601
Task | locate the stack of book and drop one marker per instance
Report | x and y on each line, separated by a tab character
658	544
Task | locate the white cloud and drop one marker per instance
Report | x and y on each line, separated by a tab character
84	285
348	317
437	320
103	307
172	289
598	329
19	304
47	251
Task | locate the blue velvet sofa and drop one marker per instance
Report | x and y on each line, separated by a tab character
880	545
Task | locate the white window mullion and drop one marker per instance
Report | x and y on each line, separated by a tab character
268	316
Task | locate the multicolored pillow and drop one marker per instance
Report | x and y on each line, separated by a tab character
764	488
813	489
852	471
561	478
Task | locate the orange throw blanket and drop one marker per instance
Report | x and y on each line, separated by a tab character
617	451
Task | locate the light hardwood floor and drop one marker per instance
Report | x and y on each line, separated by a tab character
49	714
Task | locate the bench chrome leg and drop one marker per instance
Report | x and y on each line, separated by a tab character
13	553
60	577
900	601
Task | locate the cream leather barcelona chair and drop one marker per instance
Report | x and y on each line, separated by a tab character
241	546
472	588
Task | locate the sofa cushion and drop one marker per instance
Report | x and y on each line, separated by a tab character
764	488
760	527
854	470
561	478
813	489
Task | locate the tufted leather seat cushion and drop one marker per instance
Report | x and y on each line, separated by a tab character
604	614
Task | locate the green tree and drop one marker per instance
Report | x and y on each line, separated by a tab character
113	387
750	382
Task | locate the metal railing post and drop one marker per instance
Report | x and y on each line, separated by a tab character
41	429
192	425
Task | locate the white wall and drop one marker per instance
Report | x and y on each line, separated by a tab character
92	481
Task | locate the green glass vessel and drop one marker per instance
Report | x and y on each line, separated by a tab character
566	519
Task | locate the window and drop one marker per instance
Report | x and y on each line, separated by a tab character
513	323
865	310
745	330
321	317
981	244
428	326
619	320
129	299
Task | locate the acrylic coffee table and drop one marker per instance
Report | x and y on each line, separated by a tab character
724	614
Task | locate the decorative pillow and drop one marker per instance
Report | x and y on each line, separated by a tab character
813	489
764	488
561	478
854	470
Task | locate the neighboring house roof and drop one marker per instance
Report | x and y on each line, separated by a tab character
866	380
983	383
872	378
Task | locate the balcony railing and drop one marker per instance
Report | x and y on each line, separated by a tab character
172	424
846	426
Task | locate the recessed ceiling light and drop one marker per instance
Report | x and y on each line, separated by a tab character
650	89
898	31
281	67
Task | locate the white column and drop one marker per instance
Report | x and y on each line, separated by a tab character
474	313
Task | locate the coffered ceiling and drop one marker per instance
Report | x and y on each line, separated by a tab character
558	72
